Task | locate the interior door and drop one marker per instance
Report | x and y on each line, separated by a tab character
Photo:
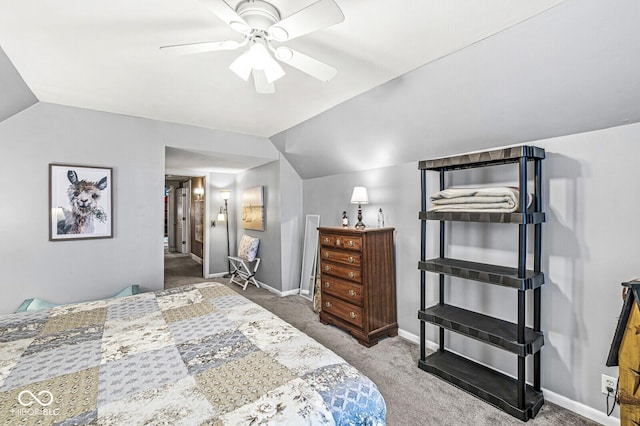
171	219
181	229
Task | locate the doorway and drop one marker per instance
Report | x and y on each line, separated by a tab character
181	221
184	232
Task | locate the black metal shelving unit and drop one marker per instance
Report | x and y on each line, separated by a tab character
512	395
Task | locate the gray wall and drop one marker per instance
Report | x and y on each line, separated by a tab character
291	226
72	271
218	235
396	190
281	241
268	176
16	95
67	271
589	248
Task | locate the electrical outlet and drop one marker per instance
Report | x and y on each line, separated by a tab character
608	382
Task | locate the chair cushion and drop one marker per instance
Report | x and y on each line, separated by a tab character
248	248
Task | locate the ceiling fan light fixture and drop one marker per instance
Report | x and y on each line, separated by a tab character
259	56
260	23
242	66
273	71
278	33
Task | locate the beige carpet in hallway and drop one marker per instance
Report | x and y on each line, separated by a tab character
413	397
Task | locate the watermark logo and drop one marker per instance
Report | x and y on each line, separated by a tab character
47	398
43	399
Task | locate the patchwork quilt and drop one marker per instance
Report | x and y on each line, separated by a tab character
198	354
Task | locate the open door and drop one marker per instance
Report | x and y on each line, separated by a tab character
181	220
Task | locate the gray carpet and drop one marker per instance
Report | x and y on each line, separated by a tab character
413	397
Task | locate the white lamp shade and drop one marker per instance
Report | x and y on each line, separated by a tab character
360	195
242	66
221	217
225	194
273	71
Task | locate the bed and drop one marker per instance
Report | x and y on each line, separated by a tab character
198	354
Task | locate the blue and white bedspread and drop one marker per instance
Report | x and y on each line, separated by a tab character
198	354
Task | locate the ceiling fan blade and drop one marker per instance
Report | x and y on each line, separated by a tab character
314	17
207	46
262	85
306	64
225	12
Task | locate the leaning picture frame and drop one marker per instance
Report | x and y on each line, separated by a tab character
80	202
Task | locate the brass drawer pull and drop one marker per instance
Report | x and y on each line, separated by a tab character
352	293
351	259
326	254
326	239
353	315
327	268
338	241
351	243
327	284
328	304
352	274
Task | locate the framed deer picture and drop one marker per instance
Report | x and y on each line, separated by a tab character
80	202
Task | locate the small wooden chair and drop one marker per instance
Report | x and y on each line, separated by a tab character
246	263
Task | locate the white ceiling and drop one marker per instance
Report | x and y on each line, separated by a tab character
187	162
104	55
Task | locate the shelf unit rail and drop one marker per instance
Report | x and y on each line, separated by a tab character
514	396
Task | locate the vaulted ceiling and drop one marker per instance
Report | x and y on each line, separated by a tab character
416	78
105	55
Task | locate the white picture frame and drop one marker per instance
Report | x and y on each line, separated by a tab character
80	202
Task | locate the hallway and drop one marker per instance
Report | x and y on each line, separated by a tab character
181	269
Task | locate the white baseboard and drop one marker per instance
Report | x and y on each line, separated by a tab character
583	410
216	275
196	258
278	292
554	398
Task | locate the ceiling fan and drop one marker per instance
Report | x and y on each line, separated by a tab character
263	30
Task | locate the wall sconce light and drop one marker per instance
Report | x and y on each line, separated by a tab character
359	197
199	193
221	218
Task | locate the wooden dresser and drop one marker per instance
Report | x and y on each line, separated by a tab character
358	282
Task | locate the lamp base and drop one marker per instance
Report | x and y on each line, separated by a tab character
360	224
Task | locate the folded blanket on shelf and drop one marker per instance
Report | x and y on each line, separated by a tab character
486	199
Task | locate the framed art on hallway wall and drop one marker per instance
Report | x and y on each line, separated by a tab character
80	202
253	208
199	220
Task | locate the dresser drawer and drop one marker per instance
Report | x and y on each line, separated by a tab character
345	290
341	271
341	241
343	310
349	258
